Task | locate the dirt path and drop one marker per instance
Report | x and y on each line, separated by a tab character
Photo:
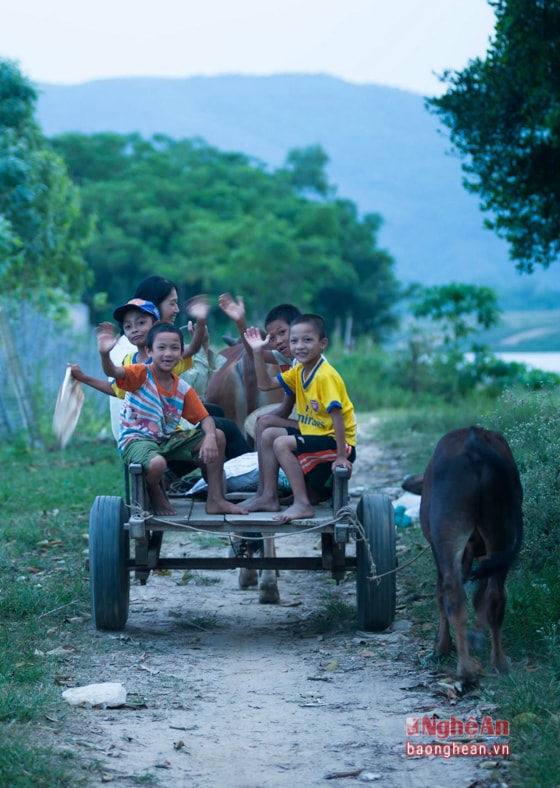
223	691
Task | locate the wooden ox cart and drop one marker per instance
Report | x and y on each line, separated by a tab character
125	538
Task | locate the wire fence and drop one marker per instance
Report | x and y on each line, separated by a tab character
34	353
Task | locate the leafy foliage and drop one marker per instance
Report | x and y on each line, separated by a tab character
214	221
42	231
531	423
504	116
460	309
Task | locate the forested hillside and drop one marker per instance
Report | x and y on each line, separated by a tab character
213	221
385	154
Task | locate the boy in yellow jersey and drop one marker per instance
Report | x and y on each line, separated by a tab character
327	427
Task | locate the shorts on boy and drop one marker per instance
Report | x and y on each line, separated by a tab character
182	445
316	454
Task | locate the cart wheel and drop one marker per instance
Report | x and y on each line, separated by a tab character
109	578
376	598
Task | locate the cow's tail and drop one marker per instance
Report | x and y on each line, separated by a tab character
504	558
498	561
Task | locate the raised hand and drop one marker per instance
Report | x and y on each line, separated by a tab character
198	307
234	309
254	338
106	339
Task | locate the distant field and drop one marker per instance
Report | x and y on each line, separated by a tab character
530	331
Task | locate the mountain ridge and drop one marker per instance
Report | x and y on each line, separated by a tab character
386	153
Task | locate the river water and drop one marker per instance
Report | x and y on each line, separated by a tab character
548	362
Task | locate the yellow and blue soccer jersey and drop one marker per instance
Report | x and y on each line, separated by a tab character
316	395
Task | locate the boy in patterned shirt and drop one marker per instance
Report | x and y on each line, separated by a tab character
155	402
326	437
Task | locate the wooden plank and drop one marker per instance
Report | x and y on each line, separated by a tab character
308	563
193	514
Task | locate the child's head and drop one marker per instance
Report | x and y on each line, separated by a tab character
277	325
316	321
136	318
164	328
308	338
163	293
284	312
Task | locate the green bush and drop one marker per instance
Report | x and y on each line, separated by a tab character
531	423
373	381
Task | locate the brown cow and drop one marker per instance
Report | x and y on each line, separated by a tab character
234	386
471	508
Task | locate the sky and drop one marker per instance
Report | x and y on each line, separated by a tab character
399	43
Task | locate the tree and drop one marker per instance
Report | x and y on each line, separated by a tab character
459	309
214	221
307	169
504	116
42	230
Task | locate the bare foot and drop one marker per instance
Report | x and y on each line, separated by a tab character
261	503
160	502
221	506
294	512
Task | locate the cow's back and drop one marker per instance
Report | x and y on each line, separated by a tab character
472	482
234	386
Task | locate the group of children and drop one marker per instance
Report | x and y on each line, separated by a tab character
163	419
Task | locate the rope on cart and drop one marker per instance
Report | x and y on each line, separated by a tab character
344	513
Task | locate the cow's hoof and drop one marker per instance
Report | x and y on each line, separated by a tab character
500	665
248	578
468	672
269	595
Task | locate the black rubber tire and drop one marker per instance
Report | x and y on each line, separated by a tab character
109	549
376	599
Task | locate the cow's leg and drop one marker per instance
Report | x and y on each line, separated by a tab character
246	544
476	636
495	611
268	586
248	578
455	603
443	639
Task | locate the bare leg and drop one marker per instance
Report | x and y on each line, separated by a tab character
158	498
263	423
215	502
284	448
259	429
267	501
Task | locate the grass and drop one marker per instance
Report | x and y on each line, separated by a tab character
44	593
335	615
529	697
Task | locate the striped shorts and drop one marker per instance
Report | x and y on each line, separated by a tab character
316	454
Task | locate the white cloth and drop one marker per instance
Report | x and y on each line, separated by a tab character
117	354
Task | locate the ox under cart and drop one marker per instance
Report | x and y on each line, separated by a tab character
125	538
